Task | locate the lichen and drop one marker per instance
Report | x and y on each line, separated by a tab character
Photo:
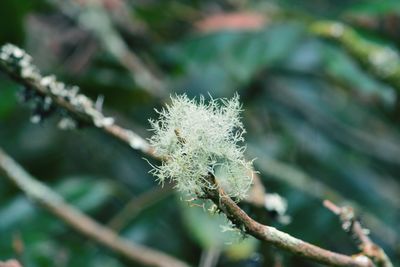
199	138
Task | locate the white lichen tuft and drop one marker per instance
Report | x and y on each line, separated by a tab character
196	139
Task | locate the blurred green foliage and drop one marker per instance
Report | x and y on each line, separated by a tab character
321	122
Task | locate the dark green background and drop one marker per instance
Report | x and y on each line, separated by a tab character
329	124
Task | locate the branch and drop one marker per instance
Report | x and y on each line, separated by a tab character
52	95
277	238
352	225
303	182
52	202
17	64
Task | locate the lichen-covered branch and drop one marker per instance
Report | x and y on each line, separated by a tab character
278	238
206	161
352	225
18	65
53	203
382	61
51	94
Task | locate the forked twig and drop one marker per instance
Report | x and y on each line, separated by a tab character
351	224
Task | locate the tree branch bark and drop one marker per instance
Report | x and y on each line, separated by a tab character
278	238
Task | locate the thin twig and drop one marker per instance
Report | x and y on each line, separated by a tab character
352	225
51	201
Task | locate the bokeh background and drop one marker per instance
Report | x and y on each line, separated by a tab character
320	103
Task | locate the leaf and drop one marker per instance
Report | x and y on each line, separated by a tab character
221	62
212	231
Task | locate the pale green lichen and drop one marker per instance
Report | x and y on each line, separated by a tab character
198	138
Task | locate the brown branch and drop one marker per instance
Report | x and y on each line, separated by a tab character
51	201
17	64
303	182
278	238
352	225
